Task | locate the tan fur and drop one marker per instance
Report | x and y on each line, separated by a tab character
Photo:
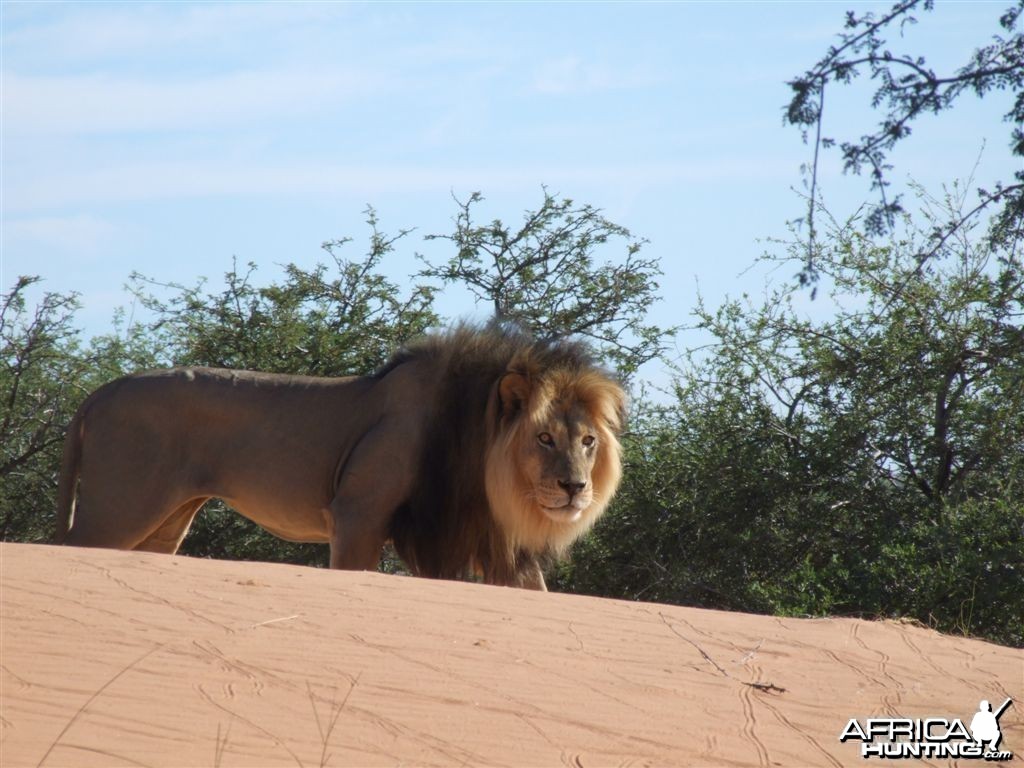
439	451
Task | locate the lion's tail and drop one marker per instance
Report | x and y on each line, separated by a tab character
69	470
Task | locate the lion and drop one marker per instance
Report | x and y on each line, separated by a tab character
478	451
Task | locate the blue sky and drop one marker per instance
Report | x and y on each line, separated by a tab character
168	137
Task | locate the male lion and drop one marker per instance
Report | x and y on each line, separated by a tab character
476	451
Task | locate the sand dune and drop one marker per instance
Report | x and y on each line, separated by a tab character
113	658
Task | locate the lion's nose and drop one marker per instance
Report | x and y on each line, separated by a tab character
572	487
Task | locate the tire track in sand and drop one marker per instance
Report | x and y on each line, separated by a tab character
891	697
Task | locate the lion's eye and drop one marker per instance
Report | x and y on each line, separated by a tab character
545	439
589	440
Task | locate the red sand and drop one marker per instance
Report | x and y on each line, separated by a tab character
115	658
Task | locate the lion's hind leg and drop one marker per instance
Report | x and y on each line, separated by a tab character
168	537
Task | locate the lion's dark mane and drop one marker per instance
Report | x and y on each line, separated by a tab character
446	528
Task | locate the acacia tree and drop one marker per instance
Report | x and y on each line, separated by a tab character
38	367
336	321
32	352
871	463
908	88
544	275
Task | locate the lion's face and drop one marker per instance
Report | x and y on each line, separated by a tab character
555	463
558	463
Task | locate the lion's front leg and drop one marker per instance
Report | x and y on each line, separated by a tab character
374	482
530	576
358	533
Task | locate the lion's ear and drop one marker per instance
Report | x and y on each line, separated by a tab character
513	392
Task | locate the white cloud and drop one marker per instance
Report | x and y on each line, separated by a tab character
570	74
90	33
80	233
166	181
88	104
